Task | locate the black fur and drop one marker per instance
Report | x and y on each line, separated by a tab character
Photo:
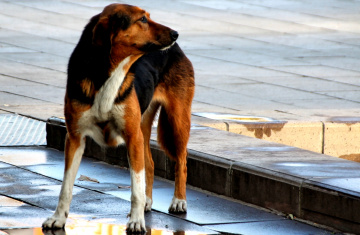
151	69
87	62
92	62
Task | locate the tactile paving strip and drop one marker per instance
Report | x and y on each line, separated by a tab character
16	130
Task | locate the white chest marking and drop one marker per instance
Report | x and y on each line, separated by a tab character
104	108
104	99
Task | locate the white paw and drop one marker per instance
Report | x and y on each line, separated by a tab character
178	206
148	204
136	225
54	222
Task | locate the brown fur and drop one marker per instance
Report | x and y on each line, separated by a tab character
110	44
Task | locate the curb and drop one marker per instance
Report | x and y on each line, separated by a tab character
304	196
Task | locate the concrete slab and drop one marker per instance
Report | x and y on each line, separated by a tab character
21	216
33	43
42	60
37	91
57	18
316	71
39	29
18	72
36	174
258	44
268	227
116	181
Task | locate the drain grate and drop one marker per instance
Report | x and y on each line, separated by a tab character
16	130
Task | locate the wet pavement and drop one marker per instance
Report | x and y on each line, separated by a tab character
30	180
279	60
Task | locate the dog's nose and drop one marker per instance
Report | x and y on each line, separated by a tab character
174	35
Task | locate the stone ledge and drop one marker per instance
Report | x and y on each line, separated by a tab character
338	137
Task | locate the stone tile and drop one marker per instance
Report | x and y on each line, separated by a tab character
91	3
316	71
323	114
33	43
209	80
310	84
6	48
37	91
230	15
353	95
65	8
202	206
304	135
22	216
28	106
341	139
234	100
9	202
32	156
248	57
345	79
321	106
269	91
3	165
316	9
39	29
335	61
203	106
30	13
316	168
17	72
268	227
8	100
116	224
207	24
155	223
42	60
27	184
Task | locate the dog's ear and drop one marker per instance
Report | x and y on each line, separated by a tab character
120	21
101	33
107	27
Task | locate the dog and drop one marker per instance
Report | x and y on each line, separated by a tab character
125	68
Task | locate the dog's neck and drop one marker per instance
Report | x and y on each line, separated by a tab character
123	60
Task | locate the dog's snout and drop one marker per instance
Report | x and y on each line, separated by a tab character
174	34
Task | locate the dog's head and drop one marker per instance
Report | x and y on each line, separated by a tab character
126	28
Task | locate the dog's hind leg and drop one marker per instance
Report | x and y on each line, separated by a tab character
74	149
173	136
146	124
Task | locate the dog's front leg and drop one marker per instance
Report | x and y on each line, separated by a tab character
137	171
74	149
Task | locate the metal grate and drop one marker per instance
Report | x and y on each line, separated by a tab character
16	130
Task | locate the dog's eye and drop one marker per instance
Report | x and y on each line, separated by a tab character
143	19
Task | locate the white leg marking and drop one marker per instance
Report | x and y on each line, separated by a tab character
148	204
137	221
178	205
58	219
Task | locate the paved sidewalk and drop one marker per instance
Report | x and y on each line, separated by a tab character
289	67
296	62
286	60
30	179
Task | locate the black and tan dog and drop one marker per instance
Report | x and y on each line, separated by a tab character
124	68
